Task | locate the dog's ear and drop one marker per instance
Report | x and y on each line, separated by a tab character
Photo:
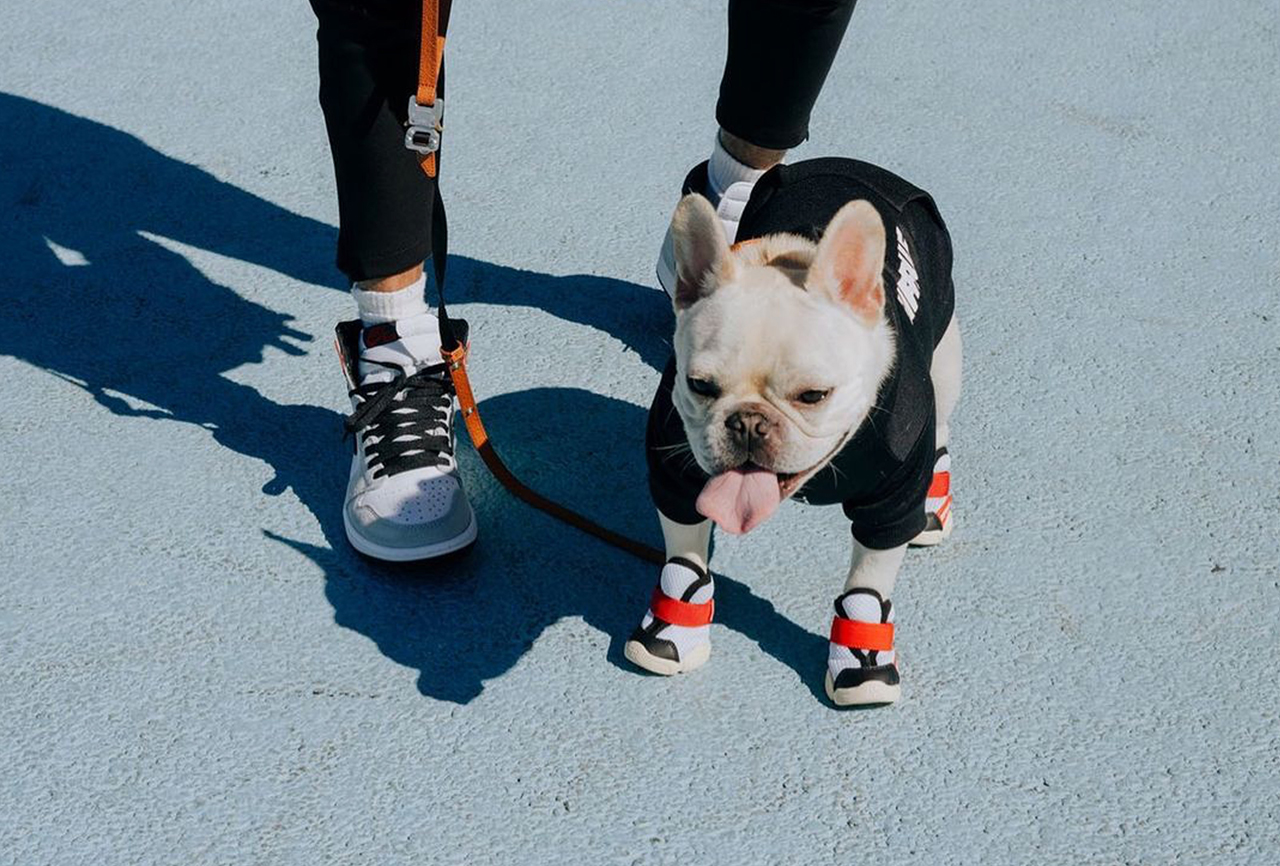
701	252
850	259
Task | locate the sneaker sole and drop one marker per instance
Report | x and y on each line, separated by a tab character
642	658
929	538
410	554
872	693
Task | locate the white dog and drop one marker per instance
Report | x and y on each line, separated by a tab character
823	364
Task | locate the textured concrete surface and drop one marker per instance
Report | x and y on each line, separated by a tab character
197	670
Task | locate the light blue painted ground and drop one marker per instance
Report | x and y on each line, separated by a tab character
197	670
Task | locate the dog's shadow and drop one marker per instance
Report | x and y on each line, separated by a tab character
466	621
94	298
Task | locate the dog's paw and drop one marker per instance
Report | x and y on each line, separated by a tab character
675	634
862	667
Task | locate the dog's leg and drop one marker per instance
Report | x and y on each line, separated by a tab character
945	373
677	636
875	570
861	669
685	541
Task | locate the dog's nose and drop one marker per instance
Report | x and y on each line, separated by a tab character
749	425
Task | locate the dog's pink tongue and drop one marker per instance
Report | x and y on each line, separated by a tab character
740	500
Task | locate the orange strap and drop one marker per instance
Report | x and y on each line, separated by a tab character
457	361
430	57
941	484
678	612
862	635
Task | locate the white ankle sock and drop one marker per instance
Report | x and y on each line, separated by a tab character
378	307
723	171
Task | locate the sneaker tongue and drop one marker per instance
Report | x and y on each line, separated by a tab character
410	343
741	499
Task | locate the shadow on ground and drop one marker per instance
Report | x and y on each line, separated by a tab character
89	297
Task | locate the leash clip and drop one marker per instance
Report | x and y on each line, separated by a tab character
426	122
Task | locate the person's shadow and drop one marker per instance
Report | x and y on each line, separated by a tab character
91	297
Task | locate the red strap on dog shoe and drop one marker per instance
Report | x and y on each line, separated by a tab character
941	484
669	610
862	635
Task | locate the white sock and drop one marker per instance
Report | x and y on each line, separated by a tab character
729	185
724	170
378	307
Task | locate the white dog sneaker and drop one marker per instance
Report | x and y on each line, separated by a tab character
404	496
861	665
675	634
937	507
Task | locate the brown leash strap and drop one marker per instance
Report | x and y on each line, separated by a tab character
423	136
457	360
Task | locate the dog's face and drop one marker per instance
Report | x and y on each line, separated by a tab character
780	348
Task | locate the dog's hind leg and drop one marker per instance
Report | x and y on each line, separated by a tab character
945	373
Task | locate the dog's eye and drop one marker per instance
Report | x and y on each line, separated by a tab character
813	396
703	387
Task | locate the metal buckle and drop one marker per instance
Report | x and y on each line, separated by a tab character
425	125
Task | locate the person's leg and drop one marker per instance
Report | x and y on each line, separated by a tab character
368	63
404	497
780	52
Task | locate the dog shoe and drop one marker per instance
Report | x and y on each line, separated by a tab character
937	507
675	634
404	498
861	664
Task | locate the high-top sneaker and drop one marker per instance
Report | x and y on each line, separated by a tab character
861	666
675	634
404	496
729	209
937	507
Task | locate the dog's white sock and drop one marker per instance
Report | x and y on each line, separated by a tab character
675	580
862	605
729	185
379	307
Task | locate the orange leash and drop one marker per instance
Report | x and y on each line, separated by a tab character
457	360
424	129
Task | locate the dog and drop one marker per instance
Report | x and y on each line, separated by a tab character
818	357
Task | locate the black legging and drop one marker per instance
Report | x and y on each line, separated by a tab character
779	54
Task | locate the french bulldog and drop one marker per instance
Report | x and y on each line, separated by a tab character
821	363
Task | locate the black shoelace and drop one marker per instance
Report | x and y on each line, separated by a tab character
423	406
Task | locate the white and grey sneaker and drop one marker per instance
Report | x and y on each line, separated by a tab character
729	209
862	668
675	634
404	497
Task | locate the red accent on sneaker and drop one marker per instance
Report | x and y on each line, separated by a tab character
941	484
378	335
862	635
669	610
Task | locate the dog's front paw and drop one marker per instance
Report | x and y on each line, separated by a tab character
861	664
675	634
